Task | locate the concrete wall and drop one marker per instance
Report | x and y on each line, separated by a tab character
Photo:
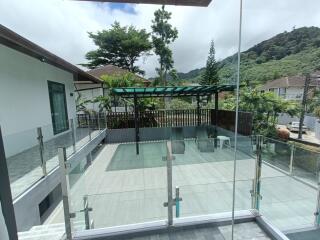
153	134
309	120
317	129
24	98
3	227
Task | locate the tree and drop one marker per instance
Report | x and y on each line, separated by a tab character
304	104
119	46
265	108
210	75
162	35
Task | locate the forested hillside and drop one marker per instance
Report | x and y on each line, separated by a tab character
286	54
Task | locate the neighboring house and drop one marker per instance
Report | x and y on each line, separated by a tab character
89	91
37	89
291	88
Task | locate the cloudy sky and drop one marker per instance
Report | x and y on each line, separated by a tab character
61	26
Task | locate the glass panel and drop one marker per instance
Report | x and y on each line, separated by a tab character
52	142
23	160
82	129
210	198
305	164
203	171
121	187
277	153
128	207
78	192
288	203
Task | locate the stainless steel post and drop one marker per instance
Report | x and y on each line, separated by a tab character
257	178
291	159
41	150
73	132
105	119
65	192
177	202
89	127
86	210
169	183
99	121
317	213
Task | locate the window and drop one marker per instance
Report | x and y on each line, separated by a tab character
282	92
58	105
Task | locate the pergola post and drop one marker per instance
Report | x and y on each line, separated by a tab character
216	106
198	110
136	122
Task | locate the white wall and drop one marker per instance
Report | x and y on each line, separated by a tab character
90	94
317	129
3	227
24	97
294	93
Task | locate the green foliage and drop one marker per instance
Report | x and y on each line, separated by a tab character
163	33
313	104
121	80
265	107
177	104
149	104
317	112
81	103
119	46
104	103
210	75
287	54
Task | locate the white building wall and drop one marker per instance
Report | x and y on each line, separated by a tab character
294	93
91	94
24	98
317	129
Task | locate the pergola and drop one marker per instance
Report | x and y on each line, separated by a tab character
182	91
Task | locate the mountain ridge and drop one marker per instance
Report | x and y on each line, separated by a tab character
285	54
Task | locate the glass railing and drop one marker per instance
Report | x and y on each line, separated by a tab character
126	187
32	154
211	198
131	188
289	204
305	164
23	160
277	153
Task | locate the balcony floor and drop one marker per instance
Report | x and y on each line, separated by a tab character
125	194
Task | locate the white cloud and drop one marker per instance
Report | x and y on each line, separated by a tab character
62	26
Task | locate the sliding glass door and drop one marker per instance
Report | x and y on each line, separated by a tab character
58	104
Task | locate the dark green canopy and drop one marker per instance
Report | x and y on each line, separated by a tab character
142	92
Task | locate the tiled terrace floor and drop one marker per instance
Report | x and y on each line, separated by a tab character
25	167
133	192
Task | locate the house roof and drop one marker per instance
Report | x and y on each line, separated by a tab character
294	81
198	3
142	92
21	44
111	70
